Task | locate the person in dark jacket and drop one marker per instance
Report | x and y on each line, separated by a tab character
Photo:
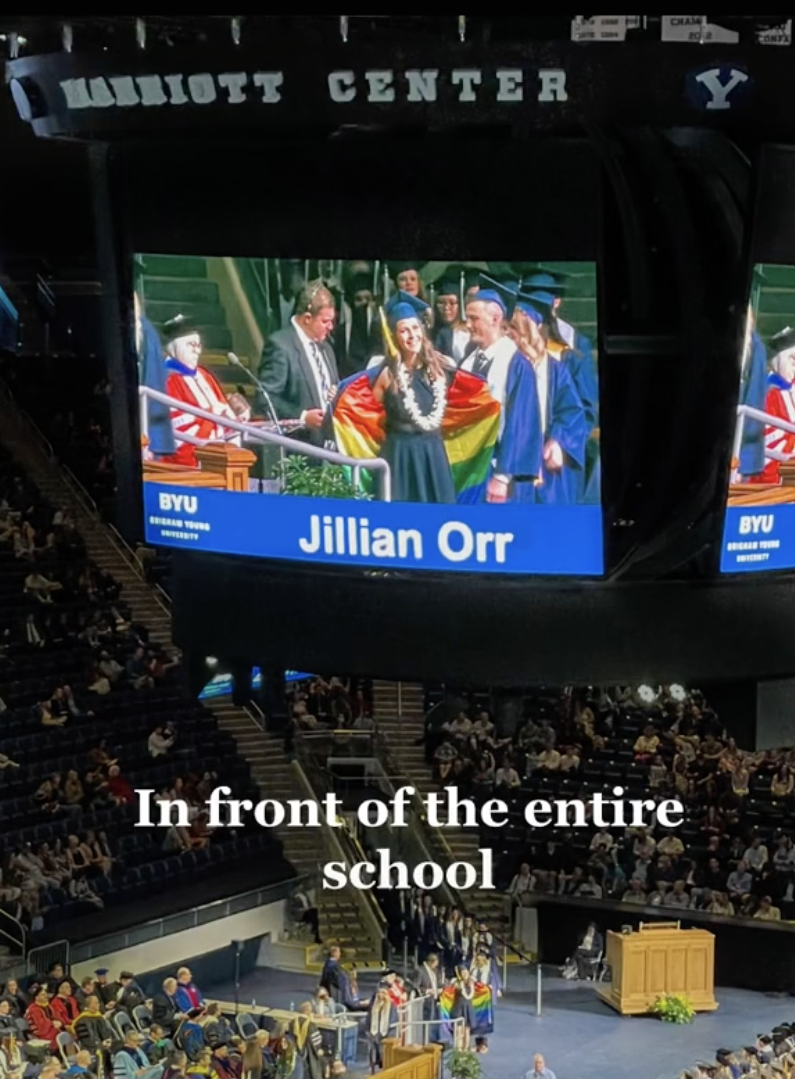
217	1028
106	990
165	1011
130	994
93	1030
18	1000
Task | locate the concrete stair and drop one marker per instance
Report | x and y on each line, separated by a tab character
399	712
340	921
104	546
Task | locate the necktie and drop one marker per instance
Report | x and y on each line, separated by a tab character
322	369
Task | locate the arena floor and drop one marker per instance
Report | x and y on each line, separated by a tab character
580	1036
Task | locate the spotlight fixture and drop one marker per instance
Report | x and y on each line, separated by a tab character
344	27
235	27
462	27
646	694
140	33
67	37
677	692
212	662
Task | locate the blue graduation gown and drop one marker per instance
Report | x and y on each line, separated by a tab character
753	392
153	376
579	357
567	424
521	442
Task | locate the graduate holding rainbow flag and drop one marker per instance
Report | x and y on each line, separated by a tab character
436	426
471	1001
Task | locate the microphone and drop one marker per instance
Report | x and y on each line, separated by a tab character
235	359
266	397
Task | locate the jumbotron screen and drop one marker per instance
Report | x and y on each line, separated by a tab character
407	416
759	532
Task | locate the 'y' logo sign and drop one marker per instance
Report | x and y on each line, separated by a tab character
718	88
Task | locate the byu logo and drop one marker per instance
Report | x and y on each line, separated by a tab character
179	503
718	89
761	522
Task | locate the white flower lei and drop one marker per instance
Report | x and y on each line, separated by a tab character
433	421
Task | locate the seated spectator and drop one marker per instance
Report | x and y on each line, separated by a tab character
42	1021
130	1062
138	671
756	856
156	1045
224	1065
18	1001
677	896
767	912
13	1064
646	745
188	997
130	994
160	742
64	1006
635	893
119	789
569	760
739	885
81	1066
217	1028
165	1008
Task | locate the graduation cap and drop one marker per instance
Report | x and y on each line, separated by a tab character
783	340
493	290
396	268
402	305
360	282
450	282
544	285
180	326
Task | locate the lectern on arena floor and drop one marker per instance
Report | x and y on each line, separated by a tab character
660	958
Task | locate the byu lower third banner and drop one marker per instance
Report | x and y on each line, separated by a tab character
511	538
757	538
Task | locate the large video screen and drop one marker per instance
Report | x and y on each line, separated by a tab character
406	416
759	532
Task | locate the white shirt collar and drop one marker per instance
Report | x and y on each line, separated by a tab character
306	341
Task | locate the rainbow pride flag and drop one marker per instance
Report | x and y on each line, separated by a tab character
470	427
482	1008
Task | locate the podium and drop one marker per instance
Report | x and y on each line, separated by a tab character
660	958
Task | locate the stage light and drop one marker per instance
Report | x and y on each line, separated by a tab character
677	692
462	27
67	37
235	26
211	662
344	27
140	33
646	694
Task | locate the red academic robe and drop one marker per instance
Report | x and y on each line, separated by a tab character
779	403
201	390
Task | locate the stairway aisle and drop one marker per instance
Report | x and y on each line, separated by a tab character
399	713
340	922
104	548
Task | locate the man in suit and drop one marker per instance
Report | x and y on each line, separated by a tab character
298	368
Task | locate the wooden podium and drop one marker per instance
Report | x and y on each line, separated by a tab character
660	958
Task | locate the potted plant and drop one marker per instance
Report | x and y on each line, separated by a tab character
674	1008
297	475
464	1064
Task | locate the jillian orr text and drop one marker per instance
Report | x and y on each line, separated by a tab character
443	809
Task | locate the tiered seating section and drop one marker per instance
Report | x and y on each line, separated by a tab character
82	689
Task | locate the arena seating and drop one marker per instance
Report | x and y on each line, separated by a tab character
81	688
737	796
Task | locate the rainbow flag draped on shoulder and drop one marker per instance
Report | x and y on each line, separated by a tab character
469	429
480	1008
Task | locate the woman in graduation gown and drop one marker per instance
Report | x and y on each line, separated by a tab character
432	424
381	1023
563	420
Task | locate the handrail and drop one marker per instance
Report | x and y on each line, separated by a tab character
290	445
748	412
20	941
365	900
